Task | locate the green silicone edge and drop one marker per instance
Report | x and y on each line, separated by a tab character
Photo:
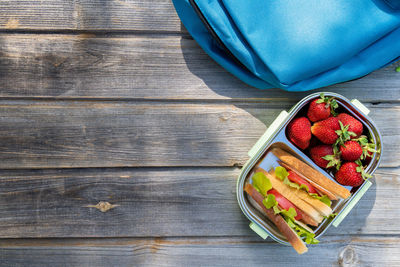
258	230
360	106
271	129
352	203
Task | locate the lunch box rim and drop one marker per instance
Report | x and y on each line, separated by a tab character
265	141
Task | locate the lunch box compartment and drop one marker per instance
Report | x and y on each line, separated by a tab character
276	137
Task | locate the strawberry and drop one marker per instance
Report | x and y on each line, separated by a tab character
321	108
352	174
351	151
355	125
331	122
325	130
299	132
348	175
324	156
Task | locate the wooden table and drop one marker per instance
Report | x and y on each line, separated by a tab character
121	142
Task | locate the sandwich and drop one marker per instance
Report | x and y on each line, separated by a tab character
311	175
292	201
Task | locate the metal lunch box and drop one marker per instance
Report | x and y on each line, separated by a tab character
275	136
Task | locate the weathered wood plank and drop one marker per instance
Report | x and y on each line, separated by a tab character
171	67
51	134
334	251
103	15
157	202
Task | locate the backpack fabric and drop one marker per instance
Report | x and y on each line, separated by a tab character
296	45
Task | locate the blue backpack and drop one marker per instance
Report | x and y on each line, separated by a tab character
296	45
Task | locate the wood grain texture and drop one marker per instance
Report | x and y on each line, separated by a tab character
65	134
150	67
99	15
123	85
158	203
334	251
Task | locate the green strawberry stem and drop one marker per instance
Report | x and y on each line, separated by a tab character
329	101
361	170
344	134
366	146
334	160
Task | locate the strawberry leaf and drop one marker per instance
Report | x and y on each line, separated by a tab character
329	102
334	105
366	175
344	134
366	146
333	160
361	170
398	69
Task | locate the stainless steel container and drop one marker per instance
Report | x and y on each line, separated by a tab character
275	136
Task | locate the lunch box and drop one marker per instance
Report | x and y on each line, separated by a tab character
276	137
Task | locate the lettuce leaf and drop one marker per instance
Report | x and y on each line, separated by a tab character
333	215
261	183
270	201
276	209
289	215
281	172
307	236
296	185
324	199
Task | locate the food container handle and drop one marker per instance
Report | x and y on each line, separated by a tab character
268	133
261	232
360	106
352	203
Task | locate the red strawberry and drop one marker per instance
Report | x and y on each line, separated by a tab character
348	175
331	122
321	108
325	130
351	151
299	132
324	156
318	111
355	125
